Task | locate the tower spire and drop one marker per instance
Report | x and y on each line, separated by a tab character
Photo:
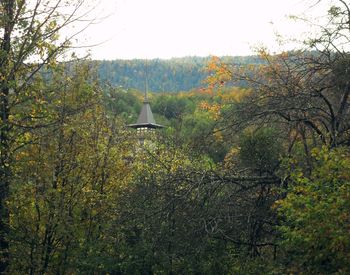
146	119
146	81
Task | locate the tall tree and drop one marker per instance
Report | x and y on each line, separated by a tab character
63	193
29	40
307	90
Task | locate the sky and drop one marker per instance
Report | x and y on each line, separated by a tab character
147	29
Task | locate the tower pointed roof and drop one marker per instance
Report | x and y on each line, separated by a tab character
146	119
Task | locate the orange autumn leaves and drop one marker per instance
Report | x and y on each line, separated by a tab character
219	94
219	73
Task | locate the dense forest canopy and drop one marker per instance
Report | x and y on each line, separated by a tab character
173	75
250	174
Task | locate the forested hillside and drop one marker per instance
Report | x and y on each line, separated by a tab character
243	179
173	75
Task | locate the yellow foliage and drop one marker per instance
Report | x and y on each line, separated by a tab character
213	109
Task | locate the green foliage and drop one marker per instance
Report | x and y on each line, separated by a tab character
200	126
260	150
153	213
123	103
162	214
172	106
65	185
315	213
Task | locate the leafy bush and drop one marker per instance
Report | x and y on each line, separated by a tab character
316	215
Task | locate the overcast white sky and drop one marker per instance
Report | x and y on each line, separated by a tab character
176	28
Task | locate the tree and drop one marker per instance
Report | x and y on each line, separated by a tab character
315	216
29	40
304	94
179	214
306	91
173	107
124	103
66	180
260	151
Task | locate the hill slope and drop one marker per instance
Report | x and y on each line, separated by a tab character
173	75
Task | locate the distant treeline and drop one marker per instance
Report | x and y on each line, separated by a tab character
173	75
